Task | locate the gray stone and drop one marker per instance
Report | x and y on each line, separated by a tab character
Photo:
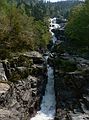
33	54
6	114
17	98
4	87
26	96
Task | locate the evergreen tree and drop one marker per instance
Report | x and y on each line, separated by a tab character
77	28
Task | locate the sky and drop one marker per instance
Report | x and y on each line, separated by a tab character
58	0
54	0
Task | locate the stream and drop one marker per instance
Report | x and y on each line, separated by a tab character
48	105
47	111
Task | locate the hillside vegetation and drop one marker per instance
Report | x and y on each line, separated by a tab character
24	24
20	31
77	28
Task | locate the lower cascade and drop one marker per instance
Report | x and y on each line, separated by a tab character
47	111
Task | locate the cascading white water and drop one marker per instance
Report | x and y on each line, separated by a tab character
47	111
54	39
48	105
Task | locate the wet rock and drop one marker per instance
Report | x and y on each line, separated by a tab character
6	66
2	73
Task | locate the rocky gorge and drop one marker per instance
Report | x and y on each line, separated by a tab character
22	85
71	88
30	86
71	81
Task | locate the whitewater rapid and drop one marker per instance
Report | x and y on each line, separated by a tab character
47	111
48	105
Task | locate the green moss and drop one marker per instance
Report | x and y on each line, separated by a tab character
24	61
5	54
65	65
15	77
19	75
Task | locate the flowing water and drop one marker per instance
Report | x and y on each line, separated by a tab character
48	105
47	111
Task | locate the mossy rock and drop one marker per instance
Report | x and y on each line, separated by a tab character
15	77
36	71
65	65
4	54
24	61
58	48
85	72
19	75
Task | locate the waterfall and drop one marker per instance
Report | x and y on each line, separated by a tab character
47	111
48	105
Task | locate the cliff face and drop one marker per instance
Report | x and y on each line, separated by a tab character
71	85
71	74
21	92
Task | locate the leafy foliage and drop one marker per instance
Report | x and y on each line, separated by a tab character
20	32
24	24
77	28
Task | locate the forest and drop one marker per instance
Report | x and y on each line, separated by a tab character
77	28
24	24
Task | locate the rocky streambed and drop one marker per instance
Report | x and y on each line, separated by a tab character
22	85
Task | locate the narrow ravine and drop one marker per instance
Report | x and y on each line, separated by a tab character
48	105
47	111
